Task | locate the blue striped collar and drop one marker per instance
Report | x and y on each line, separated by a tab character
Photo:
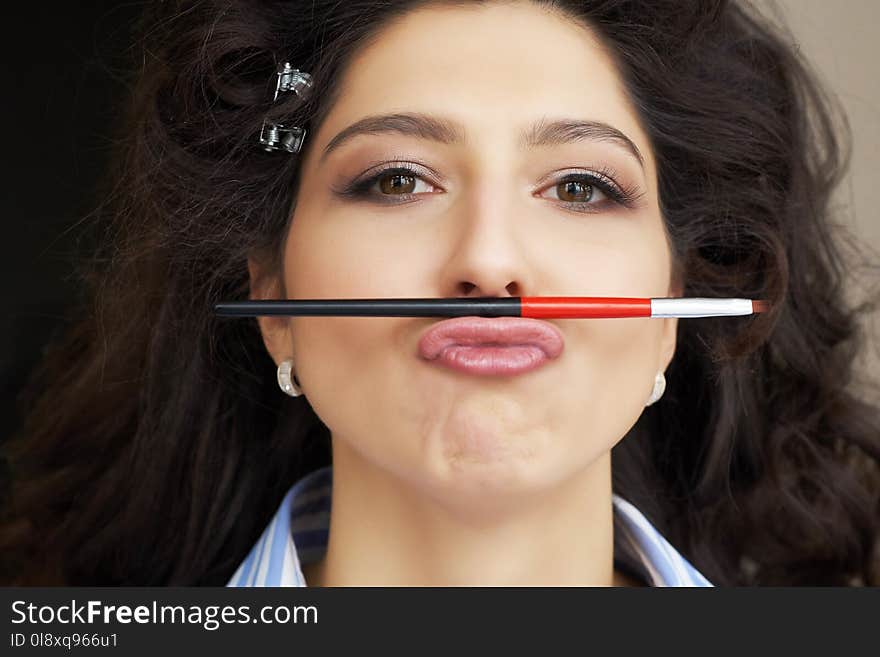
299	530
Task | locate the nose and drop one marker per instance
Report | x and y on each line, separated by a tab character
488	255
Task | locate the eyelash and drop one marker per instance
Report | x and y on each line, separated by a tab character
604	179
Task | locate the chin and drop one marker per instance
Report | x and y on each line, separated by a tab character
475	485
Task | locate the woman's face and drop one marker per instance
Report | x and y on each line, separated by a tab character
483	214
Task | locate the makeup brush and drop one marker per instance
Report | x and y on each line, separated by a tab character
534	307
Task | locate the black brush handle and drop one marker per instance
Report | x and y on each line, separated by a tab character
480	306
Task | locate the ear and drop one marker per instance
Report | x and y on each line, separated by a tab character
265	284
670	331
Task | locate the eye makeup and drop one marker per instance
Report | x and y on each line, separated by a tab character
604	179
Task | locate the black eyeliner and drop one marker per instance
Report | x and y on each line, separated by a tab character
625	196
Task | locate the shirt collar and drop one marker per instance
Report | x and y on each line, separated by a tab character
299	530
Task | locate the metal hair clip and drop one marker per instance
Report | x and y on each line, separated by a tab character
275	136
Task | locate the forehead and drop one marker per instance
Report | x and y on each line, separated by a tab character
493	68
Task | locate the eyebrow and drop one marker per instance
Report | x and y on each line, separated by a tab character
446	131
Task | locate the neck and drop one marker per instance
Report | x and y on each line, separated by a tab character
388	531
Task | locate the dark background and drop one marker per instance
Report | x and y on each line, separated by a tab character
63	81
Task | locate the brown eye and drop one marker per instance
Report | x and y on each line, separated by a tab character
575	191
397	183
392	185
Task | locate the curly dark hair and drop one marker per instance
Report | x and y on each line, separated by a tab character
155	449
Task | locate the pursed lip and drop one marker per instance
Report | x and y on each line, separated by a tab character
497	332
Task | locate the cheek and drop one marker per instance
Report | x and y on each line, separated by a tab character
632	260
611	363
345	365
340	359
321	263
615	361
334	356
340	257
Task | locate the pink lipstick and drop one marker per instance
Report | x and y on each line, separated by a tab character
501	346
